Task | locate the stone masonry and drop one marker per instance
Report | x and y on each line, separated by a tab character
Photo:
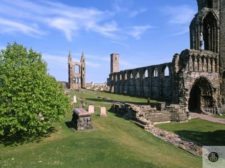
195	78
76	73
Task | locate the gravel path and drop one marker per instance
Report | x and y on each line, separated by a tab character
208	118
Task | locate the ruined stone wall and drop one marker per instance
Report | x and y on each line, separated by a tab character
76	73
152	81
173	82
222	48
198	65
196	77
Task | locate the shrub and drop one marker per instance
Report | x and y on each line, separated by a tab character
30	99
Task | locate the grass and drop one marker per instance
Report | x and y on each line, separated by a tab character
200	131
218	116
114	142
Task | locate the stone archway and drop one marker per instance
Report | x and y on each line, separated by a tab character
201	96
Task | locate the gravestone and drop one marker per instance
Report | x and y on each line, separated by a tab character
74	99
91	109
103	112
81	119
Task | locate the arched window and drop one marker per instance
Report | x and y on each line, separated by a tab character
77	69
125	76
115	77
131	76
166	71
210	32
112	77
121	77
155	73
146	74
137	75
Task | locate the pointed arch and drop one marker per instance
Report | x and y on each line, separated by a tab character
210	32
137	75
125	76
131	75
201	96
166	71
155	72
146	73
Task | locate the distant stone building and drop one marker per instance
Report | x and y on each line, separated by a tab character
115	65
195	78
76	73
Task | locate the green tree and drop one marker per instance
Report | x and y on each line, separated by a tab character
30	99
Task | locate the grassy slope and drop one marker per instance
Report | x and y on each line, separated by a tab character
200	131
114	142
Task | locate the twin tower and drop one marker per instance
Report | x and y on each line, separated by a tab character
76	73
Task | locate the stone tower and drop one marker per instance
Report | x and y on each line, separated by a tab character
204	29
76	73
115	66
207	32
222	47
70	71
83	70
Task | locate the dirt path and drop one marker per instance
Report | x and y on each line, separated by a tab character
208	118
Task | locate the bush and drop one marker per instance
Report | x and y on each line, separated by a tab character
30	99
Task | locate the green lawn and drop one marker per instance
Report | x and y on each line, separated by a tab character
113	143
199	131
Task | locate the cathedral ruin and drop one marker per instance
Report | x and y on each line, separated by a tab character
76	73
195	78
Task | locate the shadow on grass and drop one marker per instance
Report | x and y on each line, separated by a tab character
18	139
69	124
214	138
113	101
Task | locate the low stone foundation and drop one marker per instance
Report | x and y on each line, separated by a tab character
151	114
147	116
174	139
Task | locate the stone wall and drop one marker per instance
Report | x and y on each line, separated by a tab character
202	66
76	73
149	114
151	81
222	48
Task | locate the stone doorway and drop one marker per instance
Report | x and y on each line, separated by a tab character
201	97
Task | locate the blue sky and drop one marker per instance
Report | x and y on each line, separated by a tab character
143	32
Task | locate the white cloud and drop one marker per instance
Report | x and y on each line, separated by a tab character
137	31
135	13
107	29
13	26
93	65
179	14
69	20
65	25
38	18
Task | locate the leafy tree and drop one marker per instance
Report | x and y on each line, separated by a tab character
30	99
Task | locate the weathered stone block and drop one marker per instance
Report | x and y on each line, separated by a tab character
91	109
103	112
